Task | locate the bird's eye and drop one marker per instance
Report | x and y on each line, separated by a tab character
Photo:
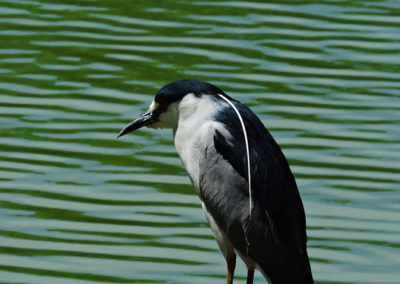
163	105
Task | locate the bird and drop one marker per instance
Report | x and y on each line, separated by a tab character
246	188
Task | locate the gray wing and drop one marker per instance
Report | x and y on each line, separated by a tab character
275	235
224	193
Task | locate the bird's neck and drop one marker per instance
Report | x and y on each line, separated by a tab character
192	132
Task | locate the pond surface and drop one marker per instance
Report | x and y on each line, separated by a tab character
79	206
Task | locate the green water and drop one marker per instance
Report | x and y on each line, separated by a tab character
78	206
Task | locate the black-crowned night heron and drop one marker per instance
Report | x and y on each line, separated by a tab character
248	193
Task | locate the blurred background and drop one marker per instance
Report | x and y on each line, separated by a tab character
79	206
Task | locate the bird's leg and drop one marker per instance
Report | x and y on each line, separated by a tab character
231	263
250	275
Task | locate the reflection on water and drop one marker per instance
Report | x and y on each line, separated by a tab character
79	206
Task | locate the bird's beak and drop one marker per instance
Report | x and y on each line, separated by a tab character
143	120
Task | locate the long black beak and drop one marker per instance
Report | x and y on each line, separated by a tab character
143	120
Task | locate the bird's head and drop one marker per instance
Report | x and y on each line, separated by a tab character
164	110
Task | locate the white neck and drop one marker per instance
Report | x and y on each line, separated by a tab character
192	132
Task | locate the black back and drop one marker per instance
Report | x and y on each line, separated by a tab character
275	236
273	183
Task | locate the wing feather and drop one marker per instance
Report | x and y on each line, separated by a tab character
273	183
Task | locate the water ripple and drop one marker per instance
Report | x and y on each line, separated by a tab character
323	77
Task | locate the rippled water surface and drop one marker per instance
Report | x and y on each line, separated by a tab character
79	206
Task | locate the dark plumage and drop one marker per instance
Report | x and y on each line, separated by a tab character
279	225
210	141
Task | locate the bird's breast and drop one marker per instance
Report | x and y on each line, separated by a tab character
194	132
190	143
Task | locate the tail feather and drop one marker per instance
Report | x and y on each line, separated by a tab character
286	268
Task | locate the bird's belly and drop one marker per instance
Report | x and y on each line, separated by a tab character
224	243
